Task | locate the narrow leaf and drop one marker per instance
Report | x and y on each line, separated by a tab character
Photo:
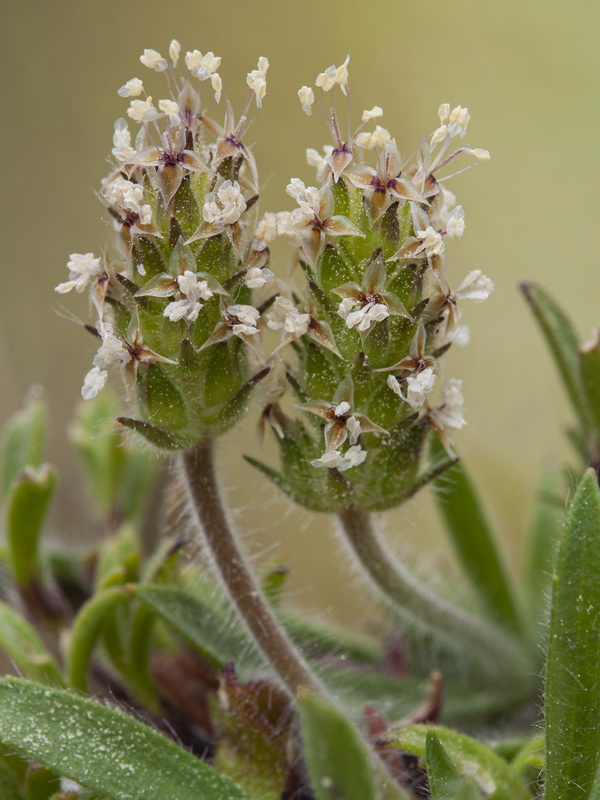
474	543
337	760
24	441
112	754
543	544
85	632
9	787
490	772
204	625
165	440
572	707
445	781
562	341
26	508
25	648
589	355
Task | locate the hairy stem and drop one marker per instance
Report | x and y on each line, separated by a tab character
235	574
484	642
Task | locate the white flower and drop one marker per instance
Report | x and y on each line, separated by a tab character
257	81
132	88
320	162
256	277
334	75
217	85
460	335
439	134
174	51
374	113
476	287
263	64
353	457
458	121
186	308
122	149
84	268
482	155
307	197
112	350
169	107
455	226
419	386
450	413
129	196
225	206
444	112
341	75
284	316
266	230
363	318
432	242
378	138
326	80
246	316
153	60
192	290
142	110
192	286
202	66
93	383
307	98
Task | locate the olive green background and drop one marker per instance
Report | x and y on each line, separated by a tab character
528	71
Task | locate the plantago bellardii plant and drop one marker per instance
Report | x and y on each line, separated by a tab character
184	299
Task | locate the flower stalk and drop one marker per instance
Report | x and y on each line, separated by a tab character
484	642
233	570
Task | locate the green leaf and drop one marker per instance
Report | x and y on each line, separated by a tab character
589	356
9	787
40	782
204	623
254	735
87	628
112	753
25	648
572	705
26	508
490	772
445	781
164	440
562	340
24	441
474	543
337	760
543	544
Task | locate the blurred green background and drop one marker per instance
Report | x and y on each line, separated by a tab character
529	73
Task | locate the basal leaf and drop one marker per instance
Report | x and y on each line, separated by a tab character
204	625
26	508
9	787
445	781
25	648
564	346
490	772
103	749
337	760
572	703
475	545
24	441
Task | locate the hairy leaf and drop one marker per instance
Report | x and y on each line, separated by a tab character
103	749
572	707
490	772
